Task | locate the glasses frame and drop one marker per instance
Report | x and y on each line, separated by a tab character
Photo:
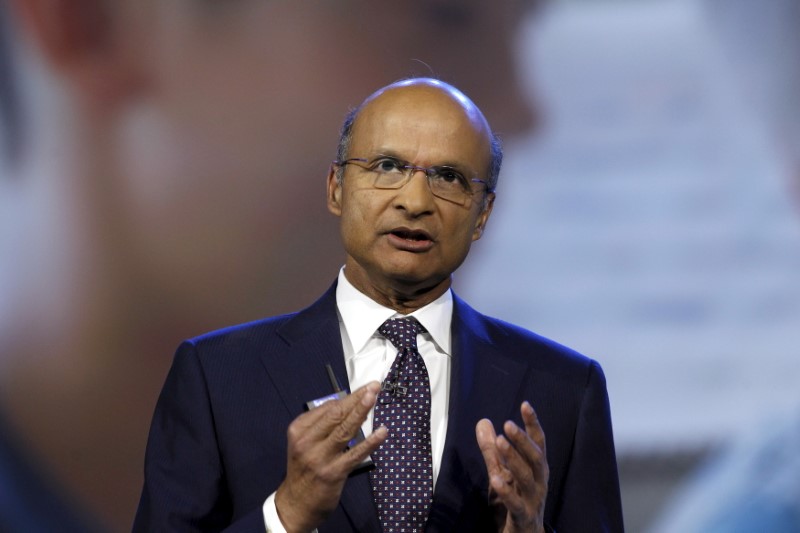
410	170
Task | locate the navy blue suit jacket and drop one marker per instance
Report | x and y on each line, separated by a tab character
217	445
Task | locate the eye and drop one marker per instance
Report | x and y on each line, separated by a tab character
450	176
386	165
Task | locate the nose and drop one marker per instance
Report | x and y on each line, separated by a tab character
415	197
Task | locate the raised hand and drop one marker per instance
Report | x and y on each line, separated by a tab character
317	465
516	462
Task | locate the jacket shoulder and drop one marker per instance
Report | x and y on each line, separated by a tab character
272	332
526	346
262	328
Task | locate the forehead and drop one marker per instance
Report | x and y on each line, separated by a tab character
423	124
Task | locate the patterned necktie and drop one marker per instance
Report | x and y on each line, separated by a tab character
402	483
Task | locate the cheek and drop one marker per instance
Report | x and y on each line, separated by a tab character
361	212
463	236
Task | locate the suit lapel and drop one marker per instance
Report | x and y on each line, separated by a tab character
312	339
479	375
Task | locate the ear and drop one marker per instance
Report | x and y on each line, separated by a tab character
334	192
483	217
83	40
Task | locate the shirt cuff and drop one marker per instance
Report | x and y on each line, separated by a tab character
271	519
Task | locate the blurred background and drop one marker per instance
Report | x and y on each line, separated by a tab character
163	174
651	221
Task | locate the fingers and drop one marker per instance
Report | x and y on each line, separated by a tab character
487	442
342	433
523	455
532	426
352	457
523	450
345	417
495	461
317	463
337	421
317	440
515	450
517	466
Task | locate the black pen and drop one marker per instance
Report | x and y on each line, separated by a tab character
332	378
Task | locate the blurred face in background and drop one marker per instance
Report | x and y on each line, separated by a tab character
228	152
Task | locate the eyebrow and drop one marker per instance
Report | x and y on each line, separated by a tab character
388	152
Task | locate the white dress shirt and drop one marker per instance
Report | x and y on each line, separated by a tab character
368	356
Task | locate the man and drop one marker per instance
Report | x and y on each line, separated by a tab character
230	444
152	186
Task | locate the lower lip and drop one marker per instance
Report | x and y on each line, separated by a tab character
408	245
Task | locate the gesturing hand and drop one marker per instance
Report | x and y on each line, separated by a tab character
317	467
518	471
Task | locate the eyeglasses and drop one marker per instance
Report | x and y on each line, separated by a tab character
391	173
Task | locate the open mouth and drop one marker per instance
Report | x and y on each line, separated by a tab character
410	240
411	235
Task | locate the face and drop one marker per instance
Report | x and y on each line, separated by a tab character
407	240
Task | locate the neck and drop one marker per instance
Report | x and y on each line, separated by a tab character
403	296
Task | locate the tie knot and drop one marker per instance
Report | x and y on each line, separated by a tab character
402	332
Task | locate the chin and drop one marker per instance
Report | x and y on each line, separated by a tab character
419	280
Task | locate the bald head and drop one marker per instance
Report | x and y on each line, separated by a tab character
428	91
423	95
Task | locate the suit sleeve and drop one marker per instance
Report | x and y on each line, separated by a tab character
591	498
185	487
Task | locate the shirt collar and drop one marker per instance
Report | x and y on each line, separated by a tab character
362	316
